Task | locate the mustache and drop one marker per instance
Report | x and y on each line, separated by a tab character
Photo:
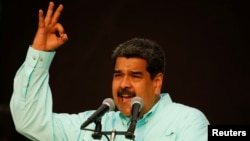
125	93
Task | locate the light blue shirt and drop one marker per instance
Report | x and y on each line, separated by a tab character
31	109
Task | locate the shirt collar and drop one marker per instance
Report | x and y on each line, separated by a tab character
164	100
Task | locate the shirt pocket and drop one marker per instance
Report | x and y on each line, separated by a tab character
169	136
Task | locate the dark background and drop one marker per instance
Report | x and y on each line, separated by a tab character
205	42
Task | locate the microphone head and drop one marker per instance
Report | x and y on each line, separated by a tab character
110	103
137	100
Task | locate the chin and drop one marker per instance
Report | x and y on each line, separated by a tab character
126	112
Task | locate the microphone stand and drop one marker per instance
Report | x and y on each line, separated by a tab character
130	132
98	133
98	129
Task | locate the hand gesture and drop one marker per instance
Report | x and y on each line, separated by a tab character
50	34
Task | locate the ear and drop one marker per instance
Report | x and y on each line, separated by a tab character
158	81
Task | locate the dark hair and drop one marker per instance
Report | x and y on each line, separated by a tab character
145	49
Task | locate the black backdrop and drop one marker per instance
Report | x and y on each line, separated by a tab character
205	43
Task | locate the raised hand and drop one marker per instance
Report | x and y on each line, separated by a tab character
50	34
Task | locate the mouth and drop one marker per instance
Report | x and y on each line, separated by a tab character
126	96
124	100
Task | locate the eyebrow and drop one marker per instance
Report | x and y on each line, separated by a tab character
131	72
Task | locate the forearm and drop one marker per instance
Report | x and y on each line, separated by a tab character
31	102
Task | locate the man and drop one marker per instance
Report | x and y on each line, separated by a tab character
138	71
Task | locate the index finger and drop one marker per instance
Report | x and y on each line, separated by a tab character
57	14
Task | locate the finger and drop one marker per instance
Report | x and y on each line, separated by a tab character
57	14
49	13
62	35
63	38
40	19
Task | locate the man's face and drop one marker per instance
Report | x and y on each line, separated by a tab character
131	79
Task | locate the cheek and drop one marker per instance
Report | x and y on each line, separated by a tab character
115	88
145	88
146	92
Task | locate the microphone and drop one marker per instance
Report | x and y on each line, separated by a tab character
137	104
107	105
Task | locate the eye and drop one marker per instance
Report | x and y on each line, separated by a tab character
117	75
137	76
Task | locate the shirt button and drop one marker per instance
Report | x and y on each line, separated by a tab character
41	59
34	57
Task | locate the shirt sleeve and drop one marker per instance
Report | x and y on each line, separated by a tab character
31	102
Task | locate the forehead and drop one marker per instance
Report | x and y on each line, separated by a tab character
130	63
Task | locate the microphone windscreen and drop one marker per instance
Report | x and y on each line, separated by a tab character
137	100
110	103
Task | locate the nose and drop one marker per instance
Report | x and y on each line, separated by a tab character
125	83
